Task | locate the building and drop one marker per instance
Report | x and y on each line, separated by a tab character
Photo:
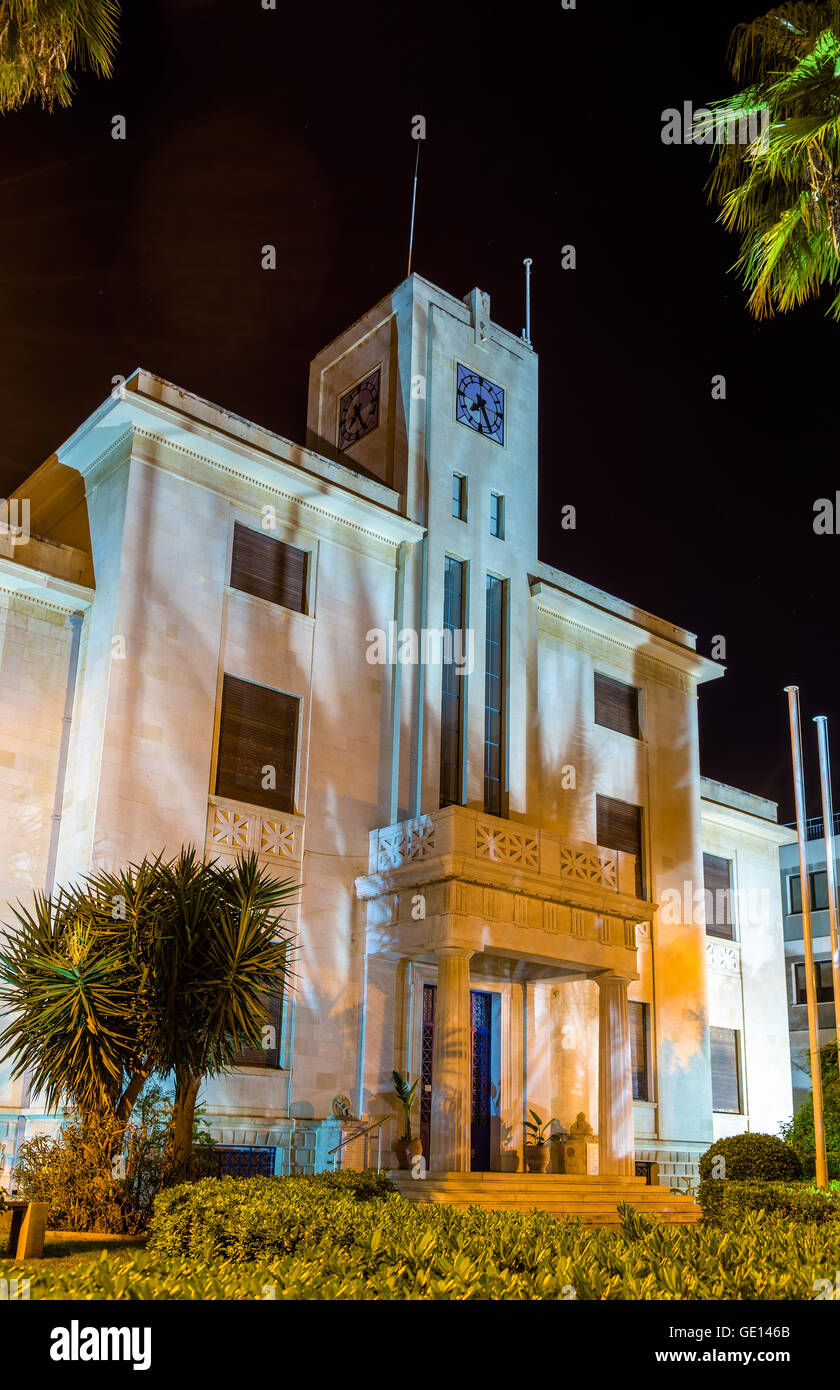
349	657
795	949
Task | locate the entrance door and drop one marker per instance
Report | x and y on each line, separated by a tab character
481	1045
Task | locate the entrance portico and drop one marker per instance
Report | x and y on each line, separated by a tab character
475	902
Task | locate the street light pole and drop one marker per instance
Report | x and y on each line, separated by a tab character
830	866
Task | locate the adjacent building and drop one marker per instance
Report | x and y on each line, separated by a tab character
795	949
348	657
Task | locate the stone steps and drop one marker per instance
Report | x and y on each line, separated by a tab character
594	1200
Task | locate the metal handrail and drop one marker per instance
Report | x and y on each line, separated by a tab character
357	1134
814	826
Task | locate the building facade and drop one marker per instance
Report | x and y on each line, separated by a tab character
349	658
795	950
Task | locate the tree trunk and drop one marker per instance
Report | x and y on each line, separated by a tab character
183	1117
130	1094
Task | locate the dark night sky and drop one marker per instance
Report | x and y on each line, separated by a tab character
292	127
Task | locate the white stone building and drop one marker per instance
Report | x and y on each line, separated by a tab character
502	855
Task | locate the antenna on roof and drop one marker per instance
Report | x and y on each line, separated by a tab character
526	332
413	204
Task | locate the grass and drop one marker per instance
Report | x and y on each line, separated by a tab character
67	1249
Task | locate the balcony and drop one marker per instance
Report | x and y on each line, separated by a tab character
458	876
236	828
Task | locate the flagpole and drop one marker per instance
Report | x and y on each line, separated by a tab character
805	890
413	206
830	867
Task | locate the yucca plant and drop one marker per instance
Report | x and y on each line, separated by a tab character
40	40
405	1095
779	187
162	967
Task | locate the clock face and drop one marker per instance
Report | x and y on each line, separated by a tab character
358	410
480	404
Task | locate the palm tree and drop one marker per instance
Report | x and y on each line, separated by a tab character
164	967
41	39
780	188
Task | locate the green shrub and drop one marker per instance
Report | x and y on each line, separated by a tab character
388	1249
250	1218
799	1132
748	1156
76	1173
725	1202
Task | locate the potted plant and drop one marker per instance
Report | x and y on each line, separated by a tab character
406	1148
537	1152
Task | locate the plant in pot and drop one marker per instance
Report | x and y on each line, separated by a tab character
537	1152
406	1148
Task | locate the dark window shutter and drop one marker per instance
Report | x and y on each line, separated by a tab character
268	1057
638	1016
620	827
268	568
717	882
726	1080
616	705
824	982
258	729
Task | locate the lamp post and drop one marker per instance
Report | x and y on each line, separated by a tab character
805	887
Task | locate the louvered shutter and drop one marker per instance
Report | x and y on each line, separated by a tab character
726	1081
620	827
258	729
268	1057
268	568
638	1018
616	705
717	882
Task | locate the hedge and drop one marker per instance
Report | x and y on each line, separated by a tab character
748	1156
401	1252
725	1201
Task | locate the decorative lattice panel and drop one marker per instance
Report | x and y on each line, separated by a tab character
279	839
405	843
600	869
507	846
229	828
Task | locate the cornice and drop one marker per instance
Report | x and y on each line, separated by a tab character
639	642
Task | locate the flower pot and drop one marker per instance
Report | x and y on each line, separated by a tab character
406	1151
537	1157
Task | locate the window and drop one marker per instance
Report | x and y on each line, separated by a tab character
451	720
268	1056
818	882
616	705
726	1071
620	827
639	1049
717	885
459	496
823	976
257	745
268	568
497	515
494	696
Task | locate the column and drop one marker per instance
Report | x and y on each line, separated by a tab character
615	1082
451	1063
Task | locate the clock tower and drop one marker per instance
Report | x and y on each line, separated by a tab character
428	395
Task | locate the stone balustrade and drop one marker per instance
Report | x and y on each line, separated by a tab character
459	830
